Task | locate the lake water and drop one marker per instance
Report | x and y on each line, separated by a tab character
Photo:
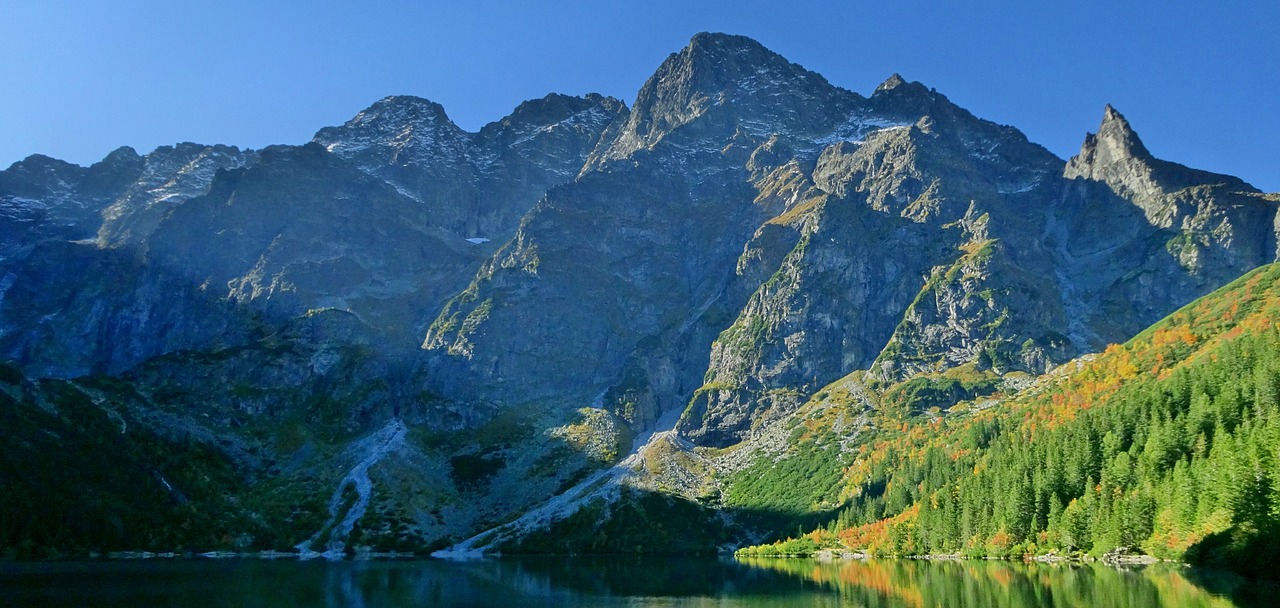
577	581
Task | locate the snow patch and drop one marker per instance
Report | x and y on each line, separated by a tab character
1019	189
591	118
858	129
19	202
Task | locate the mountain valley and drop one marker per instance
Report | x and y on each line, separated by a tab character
748	304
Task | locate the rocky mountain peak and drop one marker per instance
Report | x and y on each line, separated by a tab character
556	106
766	244
733	78
891	83
1114	145
555	110
717	43
45	182
401	129
726	67
1116	155
124	155
904	98
40	163
403	108
1114	141
164	179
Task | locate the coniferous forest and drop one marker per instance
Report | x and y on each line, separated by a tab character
747	306
1167	445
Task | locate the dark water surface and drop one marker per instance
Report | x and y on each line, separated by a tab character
656	581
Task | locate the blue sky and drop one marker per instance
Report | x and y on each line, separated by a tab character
1198	80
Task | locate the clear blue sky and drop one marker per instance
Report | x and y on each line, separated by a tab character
1200	81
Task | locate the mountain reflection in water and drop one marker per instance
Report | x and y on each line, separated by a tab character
600	581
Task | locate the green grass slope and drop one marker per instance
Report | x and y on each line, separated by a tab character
1167	445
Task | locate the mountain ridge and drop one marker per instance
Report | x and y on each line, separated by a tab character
1151	445
528	298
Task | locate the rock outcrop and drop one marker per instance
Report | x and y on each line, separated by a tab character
385	217
528	297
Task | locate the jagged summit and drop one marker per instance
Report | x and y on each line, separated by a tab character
555	108
38	162
892	82
897	87
402	110
399	129
712	44
1114	150
407	104
1115	140
558	102
121	155
742	85
715	63
903	98
1116	155
722	40
751	234
713	68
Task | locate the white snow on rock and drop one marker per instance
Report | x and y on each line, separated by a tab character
858	128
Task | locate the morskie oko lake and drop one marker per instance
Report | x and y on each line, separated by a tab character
610	581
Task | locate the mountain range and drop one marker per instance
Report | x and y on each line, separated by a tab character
401	335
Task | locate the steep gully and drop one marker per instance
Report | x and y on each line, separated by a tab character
386	441
601	484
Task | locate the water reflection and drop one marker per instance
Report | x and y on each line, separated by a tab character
657	581
998	584
505	583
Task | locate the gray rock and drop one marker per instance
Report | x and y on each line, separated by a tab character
745	234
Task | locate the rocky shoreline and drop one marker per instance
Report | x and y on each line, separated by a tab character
1121	556
269	555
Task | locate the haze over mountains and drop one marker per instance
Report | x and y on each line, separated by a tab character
528	299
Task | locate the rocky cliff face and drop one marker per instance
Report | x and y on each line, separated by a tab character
744	235
45	198
169	177
302	230
1171	233
833	232
720	86
631	267
476	185
982	272
386	217
931	186
70	309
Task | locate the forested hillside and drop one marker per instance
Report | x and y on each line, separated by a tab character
749	301
1166	445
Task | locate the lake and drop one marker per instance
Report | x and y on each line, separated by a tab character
594	581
